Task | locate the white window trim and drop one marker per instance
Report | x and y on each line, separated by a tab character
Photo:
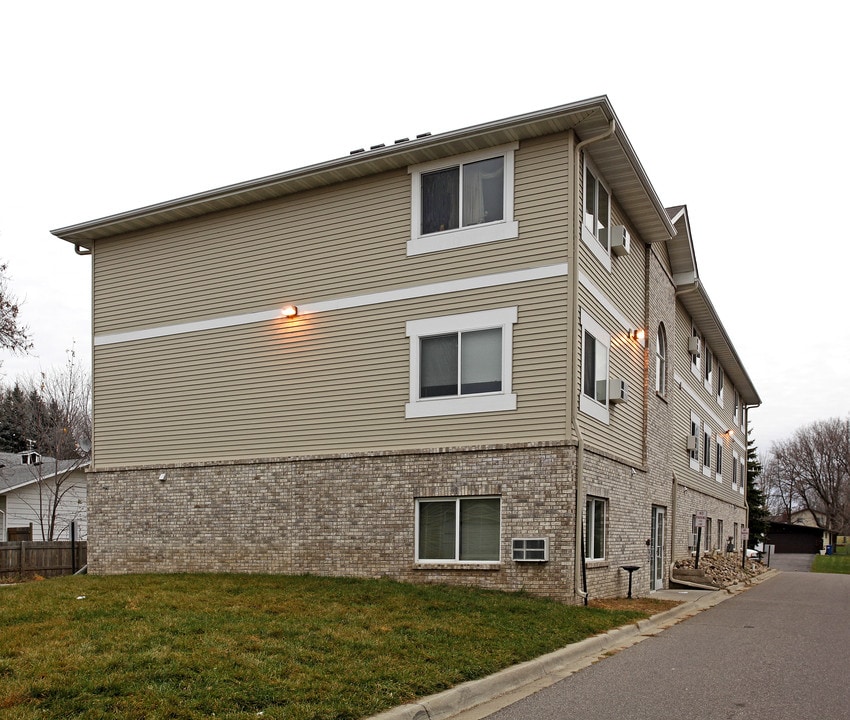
455	560
587	533
504	229
693	457
661	360
588	405
736	462
721	384
602	254
503	318
718	452
707	380
706	459
695	364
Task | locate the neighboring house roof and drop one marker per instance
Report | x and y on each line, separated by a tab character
614	156
14	474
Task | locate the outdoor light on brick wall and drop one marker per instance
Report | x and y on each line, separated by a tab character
289	311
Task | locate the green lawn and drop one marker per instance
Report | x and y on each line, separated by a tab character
230	646
832	563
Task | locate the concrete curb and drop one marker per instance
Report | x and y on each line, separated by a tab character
555	665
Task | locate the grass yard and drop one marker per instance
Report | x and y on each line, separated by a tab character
231	646
832	563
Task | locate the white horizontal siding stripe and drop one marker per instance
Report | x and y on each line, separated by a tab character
721	425
603	300
419	291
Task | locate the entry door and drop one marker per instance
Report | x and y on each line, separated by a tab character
656	580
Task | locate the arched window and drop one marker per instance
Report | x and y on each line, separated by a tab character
661	360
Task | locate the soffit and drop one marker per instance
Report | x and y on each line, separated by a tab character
695	300
614	157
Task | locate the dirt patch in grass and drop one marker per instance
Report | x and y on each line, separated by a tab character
645	606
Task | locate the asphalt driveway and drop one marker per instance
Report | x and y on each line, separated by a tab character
792	562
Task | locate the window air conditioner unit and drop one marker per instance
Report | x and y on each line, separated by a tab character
530	549
693	346
620	240
619	391
692	442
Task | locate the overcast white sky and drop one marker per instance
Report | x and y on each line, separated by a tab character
737	109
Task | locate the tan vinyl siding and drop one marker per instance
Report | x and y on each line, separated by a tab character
622	437
706	408
624	288
338	241
330	382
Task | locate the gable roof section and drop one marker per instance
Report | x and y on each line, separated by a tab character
14	475
692	294
614	157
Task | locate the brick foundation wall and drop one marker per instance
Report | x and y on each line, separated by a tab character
688	502
351	515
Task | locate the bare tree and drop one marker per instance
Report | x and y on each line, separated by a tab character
780	492
13	335
62	428
814	468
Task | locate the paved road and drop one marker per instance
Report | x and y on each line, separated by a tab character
791	562
778	651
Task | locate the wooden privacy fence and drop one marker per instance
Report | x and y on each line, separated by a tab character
47	559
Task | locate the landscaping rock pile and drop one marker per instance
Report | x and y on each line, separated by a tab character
719	570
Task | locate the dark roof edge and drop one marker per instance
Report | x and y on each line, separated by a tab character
82	234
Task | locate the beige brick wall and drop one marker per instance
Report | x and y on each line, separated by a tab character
347	515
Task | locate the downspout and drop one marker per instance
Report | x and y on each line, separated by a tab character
80	250
674	502
685	291
573	375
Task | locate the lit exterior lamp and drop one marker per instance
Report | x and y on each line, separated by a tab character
289	311
637	335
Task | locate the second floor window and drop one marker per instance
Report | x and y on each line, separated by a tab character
462	363
595	345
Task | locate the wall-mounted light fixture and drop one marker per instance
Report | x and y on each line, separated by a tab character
162	477
730	432
637	335
289	311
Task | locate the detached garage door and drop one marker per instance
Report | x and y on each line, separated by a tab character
795	539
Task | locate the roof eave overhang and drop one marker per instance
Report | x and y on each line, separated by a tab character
614	157
695	300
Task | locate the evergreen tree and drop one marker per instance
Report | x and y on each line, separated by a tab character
759	522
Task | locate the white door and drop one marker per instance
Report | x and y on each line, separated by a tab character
656	580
